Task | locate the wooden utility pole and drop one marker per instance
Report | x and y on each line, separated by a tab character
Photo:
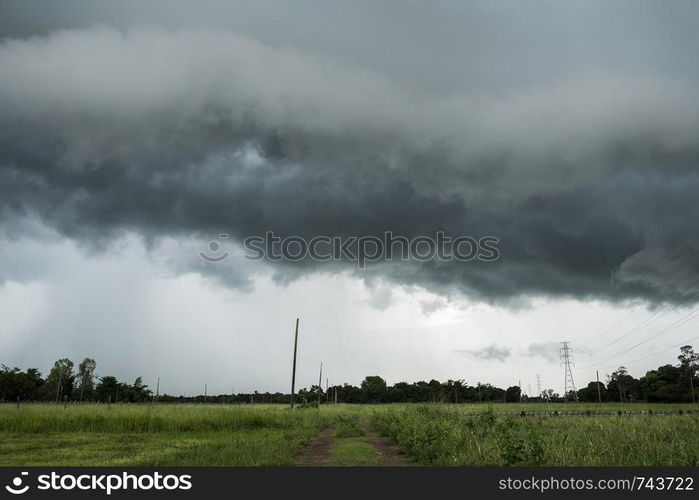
519	384
691	386
293	369
621	394
320	381
58	389
599	393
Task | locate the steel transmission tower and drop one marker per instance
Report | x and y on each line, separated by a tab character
538	385
567	363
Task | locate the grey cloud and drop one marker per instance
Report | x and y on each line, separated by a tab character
481	44
430	306
381	297
191	133
546	350
80	90
490	353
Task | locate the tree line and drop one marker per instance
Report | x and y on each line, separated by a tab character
666	384
64	383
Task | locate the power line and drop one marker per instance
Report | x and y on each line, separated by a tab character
657	315
609	328
668	328
655	353
684	319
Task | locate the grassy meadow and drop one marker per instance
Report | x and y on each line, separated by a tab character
158	435
273	435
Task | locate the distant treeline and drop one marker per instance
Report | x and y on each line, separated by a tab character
667	383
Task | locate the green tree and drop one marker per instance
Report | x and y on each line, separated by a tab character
141	391
86	377
15	383
489	392
621	386
689	364
136	393
107	389
512	394
33	383
589	394
550	395
662	385
454	390
60	380
373	389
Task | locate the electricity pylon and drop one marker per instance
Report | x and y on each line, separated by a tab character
567	363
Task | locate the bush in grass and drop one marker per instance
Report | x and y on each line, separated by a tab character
431	435
519	444
306	405
488	418
348	427
439	436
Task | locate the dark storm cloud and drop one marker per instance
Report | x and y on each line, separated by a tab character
588	179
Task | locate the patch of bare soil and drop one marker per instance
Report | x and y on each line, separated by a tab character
389	456
319	451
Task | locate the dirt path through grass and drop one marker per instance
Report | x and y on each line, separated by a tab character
365	448
319	450
387	450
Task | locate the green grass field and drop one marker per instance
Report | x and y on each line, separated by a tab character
433	434
157	435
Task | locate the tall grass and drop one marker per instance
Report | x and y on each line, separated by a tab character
157	418
156	435
435	435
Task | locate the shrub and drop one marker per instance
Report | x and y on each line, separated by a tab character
348	427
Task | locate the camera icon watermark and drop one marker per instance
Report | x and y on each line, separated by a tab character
16	488
215	252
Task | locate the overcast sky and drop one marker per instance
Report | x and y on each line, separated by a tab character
134	133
